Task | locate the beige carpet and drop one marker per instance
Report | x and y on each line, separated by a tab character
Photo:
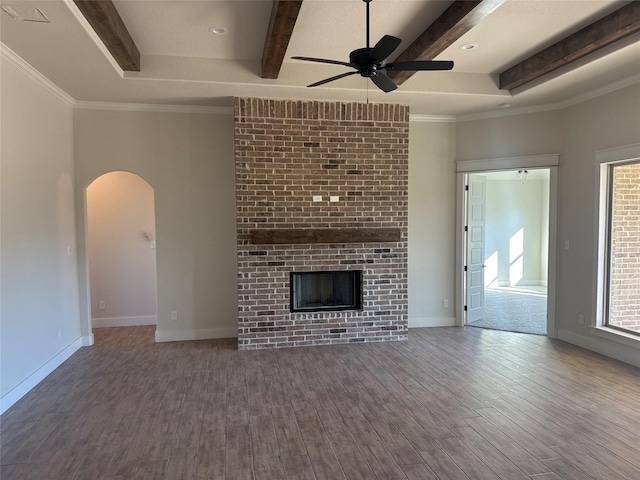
515	309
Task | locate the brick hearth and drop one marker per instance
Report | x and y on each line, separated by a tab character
287	153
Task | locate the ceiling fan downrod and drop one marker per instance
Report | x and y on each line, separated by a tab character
367	2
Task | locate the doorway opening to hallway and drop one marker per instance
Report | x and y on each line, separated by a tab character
507	249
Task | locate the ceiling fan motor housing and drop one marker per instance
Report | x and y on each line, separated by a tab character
364	62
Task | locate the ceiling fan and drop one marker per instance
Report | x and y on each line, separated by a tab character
369	62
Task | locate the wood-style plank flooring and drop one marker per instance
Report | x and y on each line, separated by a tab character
450	403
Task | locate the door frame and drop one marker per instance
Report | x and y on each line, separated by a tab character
550	161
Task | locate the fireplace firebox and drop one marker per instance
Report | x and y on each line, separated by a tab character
326	291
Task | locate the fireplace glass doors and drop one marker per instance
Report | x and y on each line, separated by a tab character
326	291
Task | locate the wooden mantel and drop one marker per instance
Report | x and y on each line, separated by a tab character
324	235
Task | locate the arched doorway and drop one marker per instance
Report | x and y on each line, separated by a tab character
121	251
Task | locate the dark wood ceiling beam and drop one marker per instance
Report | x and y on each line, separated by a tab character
456	20
284	14
615	26
106	22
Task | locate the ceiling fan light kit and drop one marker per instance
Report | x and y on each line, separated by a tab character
369	62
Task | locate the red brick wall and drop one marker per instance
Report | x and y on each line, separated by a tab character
624	309
287	152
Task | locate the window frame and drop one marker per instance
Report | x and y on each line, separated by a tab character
610	197
604	160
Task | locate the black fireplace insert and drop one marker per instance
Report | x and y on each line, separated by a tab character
326	291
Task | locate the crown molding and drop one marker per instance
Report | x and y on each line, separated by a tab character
153	107
506	113
570	102
18	62
598	92
418	117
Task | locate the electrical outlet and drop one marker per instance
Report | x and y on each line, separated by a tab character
174	315
152	244
317	198
581	319
445	303
103	305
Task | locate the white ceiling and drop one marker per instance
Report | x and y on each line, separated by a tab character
182	63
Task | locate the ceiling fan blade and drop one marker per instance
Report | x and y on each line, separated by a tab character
331	79
323	60
385	47
420	65
383	82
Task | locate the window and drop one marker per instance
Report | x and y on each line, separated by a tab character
622	289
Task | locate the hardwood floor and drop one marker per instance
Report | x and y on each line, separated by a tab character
450	403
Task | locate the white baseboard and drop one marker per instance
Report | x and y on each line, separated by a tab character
602	346
528	283
19	391
202	334
522	283
124	321
418	322
87	340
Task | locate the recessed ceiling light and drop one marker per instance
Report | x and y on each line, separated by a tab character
468	46
218	30
24	13
504	105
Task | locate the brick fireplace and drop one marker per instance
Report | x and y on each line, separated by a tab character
320	187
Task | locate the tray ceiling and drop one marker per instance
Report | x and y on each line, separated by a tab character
183	63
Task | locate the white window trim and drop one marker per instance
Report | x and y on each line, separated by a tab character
603	160
614	335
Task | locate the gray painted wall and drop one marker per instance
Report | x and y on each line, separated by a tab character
188	160
576	132
432	217
39	295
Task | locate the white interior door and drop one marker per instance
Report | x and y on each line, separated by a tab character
476	213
